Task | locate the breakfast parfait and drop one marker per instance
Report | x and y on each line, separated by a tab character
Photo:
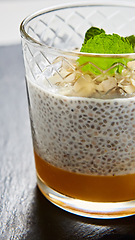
83	121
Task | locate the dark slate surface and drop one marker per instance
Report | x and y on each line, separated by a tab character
24	211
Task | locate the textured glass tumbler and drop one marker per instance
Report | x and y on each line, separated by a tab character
84	145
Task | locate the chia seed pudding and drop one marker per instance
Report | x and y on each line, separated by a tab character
80	77
81	134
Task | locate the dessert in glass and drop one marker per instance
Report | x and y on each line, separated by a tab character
80	79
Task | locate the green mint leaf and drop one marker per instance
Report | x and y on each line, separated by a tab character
92	32
105	44
131	39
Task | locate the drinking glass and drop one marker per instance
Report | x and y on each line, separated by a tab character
83	139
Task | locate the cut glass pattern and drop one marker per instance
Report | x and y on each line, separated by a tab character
65	30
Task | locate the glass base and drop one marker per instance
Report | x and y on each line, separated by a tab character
86	208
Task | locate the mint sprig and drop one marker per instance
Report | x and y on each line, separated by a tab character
131	39
97	41
92	32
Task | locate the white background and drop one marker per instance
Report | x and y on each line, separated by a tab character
13	12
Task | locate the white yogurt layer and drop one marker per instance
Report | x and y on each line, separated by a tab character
83	135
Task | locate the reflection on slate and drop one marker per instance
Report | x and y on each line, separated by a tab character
25	213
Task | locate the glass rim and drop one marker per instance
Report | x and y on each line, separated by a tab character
92	3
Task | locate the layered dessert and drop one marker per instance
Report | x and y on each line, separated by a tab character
83	122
